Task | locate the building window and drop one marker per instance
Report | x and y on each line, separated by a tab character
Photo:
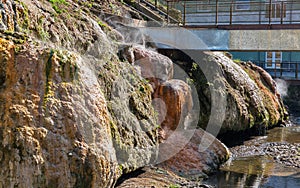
242	5
273	59
203	6
276	10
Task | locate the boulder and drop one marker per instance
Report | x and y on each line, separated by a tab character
153	66
198	157
60	121
233	96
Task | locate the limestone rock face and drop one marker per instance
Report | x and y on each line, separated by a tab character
60	127
155	67
71	113
233	96
65	119
253	99
48	137
183	150
177	101
201	156
153	64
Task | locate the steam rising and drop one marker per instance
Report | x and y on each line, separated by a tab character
282	87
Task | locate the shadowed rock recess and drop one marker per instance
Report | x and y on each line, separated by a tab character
76	111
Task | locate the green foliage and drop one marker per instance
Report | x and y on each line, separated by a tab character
237	60
103	26
194	66
88	4
44	35
24	21
121	168
174	186
190	81
58	1
68	67
56	5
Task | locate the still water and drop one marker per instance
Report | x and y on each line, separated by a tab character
261	171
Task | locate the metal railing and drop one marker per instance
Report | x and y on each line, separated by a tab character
217	12
285	70
164	13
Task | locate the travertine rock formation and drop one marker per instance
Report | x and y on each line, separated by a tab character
72	114
65	119
178	102
184	150
201	155
234	96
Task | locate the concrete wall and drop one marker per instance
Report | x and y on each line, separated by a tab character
264	40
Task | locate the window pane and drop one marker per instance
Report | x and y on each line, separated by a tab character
278	65
278	55
269	64
269	55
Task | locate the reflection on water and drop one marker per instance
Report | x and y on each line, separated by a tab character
256	171
236	180
295	119
260	171
287	134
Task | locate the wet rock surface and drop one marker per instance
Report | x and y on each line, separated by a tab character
281	152
176	106
288	154
155	177
199	157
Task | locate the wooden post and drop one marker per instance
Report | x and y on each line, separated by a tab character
216	21
184	13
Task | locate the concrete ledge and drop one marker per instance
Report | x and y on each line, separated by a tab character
225	40
265	40
181	38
